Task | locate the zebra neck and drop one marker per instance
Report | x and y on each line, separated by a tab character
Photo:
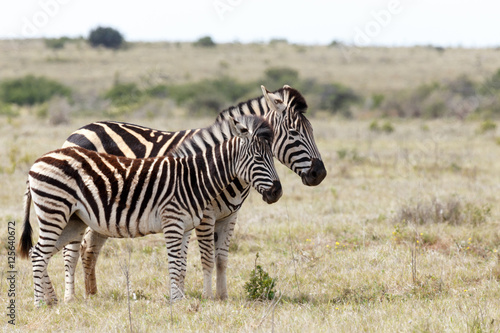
223	167
256	106
220	168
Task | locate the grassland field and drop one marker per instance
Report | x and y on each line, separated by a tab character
402	236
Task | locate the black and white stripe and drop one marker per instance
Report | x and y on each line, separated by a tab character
124	197
293	145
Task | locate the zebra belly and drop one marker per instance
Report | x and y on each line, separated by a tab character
146	224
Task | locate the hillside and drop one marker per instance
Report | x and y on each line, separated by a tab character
368	70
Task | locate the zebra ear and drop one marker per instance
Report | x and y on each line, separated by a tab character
238	128
273	101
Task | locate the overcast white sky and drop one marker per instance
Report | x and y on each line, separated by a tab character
474	23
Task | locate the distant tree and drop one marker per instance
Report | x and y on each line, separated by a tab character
205	42
335	43
107	37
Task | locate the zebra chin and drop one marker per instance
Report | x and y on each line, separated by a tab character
273	194
316	173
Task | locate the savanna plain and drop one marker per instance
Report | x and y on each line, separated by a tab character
403	235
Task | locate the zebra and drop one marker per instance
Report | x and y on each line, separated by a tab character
123	197
293	145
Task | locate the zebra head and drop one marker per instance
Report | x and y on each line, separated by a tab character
293	143
255	163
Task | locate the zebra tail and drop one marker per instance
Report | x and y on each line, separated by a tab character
26	241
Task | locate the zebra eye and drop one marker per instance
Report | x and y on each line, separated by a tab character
294	133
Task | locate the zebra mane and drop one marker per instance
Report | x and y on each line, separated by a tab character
220	131
258	105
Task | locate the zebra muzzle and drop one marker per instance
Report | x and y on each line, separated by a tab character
316	173
273	194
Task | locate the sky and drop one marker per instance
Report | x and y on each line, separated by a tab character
457	23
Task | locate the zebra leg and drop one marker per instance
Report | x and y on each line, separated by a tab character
89	252
205	235
54	235
72	234
41	281
185	244
173	230
223	232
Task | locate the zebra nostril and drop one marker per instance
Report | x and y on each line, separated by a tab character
276	190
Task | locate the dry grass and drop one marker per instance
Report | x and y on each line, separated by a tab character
342	256
367	70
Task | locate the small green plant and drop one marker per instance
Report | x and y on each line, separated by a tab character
8	110
487	126
374	126
377	100
386	127
261	285
342	153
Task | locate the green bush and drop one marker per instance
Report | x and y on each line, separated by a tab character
462	86
122	94
206	104
227	88
107	37
205	42
8	110
158	91
338	98
492	84
487	126
276	77
56	43
30	90
377	100
261	285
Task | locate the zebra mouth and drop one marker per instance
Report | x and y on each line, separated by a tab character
273	194
316	173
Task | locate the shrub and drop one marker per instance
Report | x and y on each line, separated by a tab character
462	86
451	211
338	98
122	94
56	43
8	110
386	127
206	104
228	89
30	90
492	84
276	41
107	37
377	100
261	285
205	42
159	91
487	126
276	77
